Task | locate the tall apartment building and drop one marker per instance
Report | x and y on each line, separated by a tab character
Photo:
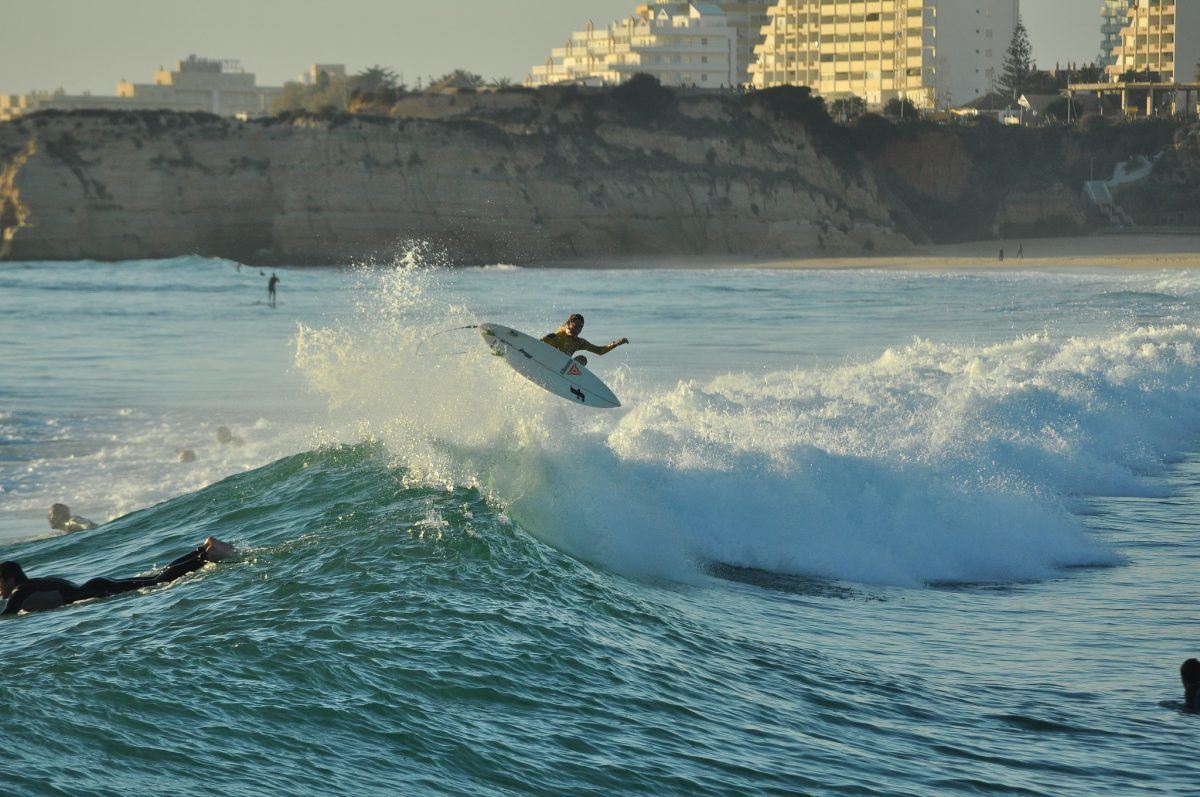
697	48
933	53
746	17
1112	20
196	84
1160	36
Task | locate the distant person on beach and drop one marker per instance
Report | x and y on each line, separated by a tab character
566	339
1002	254
1020	251
1189	673
61	519
271	283
34	594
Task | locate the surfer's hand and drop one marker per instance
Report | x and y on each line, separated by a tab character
620	342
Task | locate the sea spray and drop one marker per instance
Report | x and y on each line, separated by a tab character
932	462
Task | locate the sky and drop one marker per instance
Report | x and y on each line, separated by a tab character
88	45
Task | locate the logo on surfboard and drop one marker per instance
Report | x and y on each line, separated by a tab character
577	393
573	370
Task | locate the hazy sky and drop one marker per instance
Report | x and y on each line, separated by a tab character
88	45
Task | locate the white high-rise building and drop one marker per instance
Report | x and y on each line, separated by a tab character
1112	20
933	53
1160	36
697	48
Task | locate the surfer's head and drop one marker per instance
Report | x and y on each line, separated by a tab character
11	577
1189	672
574	323
59	514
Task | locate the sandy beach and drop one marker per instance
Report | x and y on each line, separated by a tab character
1125	251
1134	251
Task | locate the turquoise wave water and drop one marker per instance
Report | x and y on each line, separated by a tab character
947	548
378	638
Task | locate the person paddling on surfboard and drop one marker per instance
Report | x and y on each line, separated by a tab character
566	339
34	594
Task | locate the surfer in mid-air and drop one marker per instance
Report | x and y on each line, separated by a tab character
566	339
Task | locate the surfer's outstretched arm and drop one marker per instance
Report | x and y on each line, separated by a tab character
594	349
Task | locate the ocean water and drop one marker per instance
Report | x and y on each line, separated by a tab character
852	532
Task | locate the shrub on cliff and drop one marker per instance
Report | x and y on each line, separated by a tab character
798	104
642	98
872	132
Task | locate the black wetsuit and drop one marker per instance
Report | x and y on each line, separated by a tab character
49	593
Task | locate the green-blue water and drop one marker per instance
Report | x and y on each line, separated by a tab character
852	533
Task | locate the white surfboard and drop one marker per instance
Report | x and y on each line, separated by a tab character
547	367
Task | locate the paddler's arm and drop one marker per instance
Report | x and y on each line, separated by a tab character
15	599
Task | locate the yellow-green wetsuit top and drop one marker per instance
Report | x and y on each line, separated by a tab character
566	342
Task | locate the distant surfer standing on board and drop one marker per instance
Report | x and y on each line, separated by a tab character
566	339
271	283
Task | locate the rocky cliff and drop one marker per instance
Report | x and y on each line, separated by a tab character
971	182
535	179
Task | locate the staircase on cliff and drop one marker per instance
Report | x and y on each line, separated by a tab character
1102	193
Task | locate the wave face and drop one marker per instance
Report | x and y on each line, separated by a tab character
931	462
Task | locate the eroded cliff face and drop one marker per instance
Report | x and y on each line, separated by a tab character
531	188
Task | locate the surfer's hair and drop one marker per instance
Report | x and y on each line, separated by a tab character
12	570
574	317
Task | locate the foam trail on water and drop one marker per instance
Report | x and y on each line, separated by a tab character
932	462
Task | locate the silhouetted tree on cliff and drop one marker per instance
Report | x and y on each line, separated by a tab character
901	108
375	79
1018	63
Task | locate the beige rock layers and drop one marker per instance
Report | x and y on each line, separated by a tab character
115	186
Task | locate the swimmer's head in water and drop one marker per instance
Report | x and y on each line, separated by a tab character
11	577
1190	672
59	514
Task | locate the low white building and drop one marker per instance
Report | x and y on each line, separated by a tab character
196	84
698	48
747	17
331	71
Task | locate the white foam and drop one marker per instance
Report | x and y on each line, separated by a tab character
932	462
126	460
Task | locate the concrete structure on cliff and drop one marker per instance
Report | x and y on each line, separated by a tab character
196	84
933	53
698	46
1112	21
